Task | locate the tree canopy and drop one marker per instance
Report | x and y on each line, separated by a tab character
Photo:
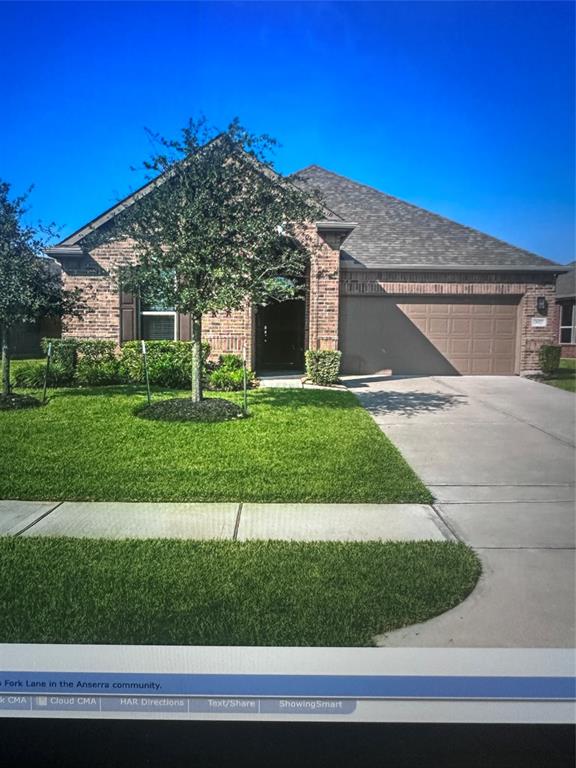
217	226
30	286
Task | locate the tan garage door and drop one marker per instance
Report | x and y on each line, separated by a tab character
424	336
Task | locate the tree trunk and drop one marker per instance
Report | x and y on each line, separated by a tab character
5	361
196	358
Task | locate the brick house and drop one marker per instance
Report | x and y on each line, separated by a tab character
566	312
26	338
394	287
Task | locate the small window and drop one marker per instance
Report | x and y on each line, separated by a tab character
158	326
567	323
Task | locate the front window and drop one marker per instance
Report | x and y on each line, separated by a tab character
567	323
157	323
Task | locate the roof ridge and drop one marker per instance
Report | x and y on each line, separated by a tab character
291	176
307	168
429	213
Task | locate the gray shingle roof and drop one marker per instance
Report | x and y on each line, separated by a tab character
566	285
393	233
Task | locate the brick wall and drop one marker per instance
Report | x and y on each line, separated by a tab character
323	292
374	282
533	338
224	331
527	286
92	274
228	331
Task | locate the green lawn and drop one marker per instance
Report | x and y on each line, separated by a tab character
565	378
61	590
297	446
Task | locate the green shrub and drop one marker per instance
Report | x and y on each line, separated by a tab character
169	363
64	354
227	375
549	359
323	366
131	367
88	362
59	374
228	379
96	349
29	374
96	363
230	362
97	374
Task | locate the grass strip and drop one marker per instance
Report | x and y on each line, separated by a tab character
268	593
565	376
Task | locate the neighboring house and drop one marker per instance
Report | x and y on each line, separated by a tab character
565	299
25	338
394	287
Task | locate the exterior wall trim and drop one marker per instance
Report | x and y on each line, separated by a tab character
556	269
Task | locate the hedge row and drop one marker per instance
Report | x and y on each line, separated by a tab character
95	362
169	363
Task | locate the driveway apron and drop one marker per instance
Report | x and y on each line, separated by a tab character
498	453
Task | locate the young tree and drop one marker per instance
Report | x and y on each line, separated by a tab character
219	227
29	289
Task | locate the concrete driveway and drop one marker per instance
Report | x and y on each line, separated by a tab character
499	455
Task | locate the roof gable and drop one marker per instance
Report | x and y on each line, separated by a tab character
74	240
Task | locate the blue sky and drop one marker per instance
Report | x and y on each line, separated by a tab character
464	108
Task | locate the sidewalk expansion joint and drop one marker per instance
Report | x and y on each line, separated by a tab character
237	524
445	524
33	523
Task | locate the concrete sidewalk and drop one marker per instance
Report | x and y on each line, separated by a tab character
498	455
289	522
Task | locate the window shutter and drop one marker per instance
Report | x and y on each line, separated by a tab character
184	327
128	317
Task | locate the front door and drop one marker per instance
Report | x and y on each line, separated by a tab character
280	336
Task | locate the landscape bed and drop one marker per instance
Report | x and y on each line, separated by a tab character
296	446
168	592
